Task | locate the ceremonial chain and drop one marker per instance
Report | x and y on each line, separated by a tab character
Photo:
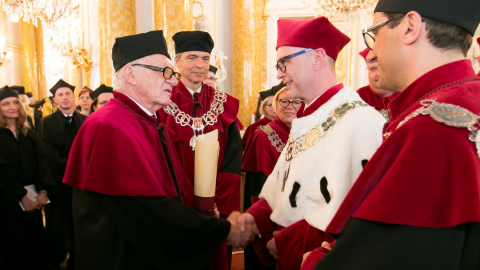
300	145
198	123
273	137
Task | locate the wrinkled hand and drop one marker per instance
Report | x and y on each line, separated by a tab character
42	200
28	204
272	248
242	230
326	245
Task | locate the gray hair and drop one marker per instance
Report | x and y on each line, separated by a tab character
118	79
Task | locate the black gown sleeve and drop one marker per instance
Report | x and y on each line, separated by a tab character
232	161
11	190
253	186
374	245
142	233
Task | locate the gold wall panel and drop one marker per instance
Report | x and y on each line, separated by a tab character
247	58
116	18
29	58
173	17
42	87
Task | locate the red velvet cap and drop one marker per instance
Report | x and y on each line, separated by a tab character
311	33
364	53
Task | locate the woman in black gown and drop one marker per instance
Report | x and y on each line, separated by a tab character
22	163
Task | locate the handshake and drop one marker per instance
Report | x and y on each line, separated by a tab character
243	229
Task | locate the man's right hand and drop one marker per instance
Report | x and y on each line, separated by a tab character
28	204
243	229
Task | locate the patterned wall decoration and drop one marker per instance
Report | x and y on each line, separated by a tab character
116	18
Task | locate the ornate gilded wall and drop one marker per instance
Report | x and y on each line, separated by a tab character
173	17
116	18
247	58
29	58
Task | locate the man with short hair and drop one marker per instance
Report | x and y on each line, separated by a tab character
211	80
333	137
132	199
416	204
372	94
198	108
58	130
100	97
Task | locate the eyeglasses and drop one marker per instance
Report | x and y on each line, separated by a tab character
167	72
281	62
369	34
285	102
211	79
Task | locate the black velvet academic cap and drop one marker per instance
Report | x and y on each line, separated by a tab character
464	14
19	89
129	48
37	104
272	91
7	92
100	90
61	83
188	41
213	69
29	94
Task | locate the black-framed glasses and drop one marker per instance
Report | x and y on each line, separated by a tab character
285	102
281	62
369	34
167	72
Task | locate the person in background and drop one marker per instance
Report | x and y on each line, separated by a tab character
211	79
84	100
265	109
100	97
372	94
22	165
58	130
261	155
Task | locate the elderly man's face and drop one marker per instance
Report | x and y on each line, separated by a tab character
154	89
193	66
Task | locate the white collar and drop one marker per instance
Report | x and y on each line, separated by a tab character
196	91
306	106
141	107
66	115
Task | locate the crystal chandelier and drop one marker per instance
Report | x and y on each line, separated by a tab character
33	11
4	55
345	9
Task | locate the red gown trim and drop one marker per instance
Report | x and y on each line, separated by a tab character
320	101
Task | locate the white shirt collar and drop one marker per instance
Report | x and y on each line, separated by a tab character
66	115
306	106
196	91
141	107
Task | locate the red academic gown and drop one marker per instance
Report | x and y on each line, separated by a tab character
251	129
293	241
259	159
131	199
227	192
416	205
379	103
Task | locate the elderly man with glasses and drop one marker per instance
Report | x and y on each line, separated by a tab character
333	137
131	198
417	203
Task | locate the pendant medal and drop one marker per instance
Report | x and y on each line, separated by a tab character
197	125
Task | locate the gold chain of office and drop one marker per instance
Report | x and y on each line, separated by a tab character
209	118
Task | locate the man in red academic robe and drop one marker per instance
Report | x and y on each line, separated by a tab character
198	108
131	207
372	94
416	204
333	137
478	57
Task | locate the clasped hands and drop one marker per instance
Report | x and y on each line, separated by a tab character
243	229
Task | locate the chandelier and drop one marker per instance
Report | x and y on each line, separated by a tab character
33	11
345	9
4	55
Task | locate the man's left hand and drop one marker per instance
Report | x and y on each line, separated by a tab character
272	247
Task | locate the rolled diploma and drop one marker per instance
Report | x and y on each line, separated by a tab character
206	159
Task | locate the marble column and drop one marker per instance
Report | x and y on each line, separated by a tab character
29	58
247	36
116	18
173	17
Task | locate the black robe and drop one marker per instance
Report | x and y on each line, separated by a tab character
22	163
59	137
